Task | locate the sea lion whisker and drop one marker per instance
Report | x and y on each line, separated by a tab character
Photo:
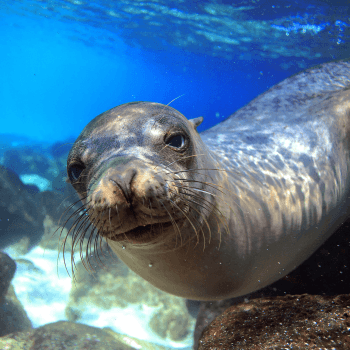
212	186
69	232
70	206
173	221
63	246
64	260
158	121
182	158
168	104
98	247
214	209
195	171
189	220
194	228
81	221
199	213
116	208
95	245
79	233
109	217
174	213
216	216
75	213
81	242
186	201
214	195
86	262
177	160
89	250
79	238
65	213
209	184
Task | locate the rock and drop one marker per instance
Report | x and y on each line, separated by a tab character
208	311
20	215
290	322
27	161
172	323
63	335
7	271
193	307
326	272
13	318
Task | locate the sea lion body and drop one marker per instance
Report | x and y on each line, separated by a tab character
229	211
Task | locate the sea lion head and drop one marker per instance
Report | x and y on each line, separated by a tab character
133	168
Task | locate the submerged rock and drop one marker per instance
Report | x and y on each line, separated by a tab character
290	322
13	318
326	272
7	271
27	161
20	215
63	335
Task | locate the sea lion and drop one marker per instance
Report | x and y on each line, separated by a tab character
226	212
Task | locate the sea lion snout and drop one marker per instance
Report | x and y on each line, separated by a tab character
132	194
117	185
133	183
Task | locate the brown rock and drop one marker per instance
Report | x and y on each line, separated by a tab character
13	317
7	271
63	335
326	272
208	311
290	322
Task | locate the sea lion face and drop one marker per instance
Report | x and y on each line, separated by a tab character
129	168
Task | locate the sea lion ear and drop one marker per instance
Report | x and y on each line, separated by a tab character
196	122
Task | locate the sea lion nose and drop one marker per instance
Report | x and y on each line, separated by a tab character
132	183
123	180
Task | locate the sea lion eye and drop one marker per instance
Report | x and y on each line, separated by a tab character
75	171
176	141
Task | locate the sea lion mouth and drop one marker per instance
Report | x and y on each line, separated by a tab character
142	234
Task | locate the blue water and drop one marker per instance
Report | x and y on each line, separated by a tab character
64	62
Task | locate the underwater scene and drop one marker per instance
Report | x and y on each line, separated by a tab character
209	210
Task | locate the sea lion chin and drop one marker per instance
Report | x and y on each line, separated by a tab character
229	211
